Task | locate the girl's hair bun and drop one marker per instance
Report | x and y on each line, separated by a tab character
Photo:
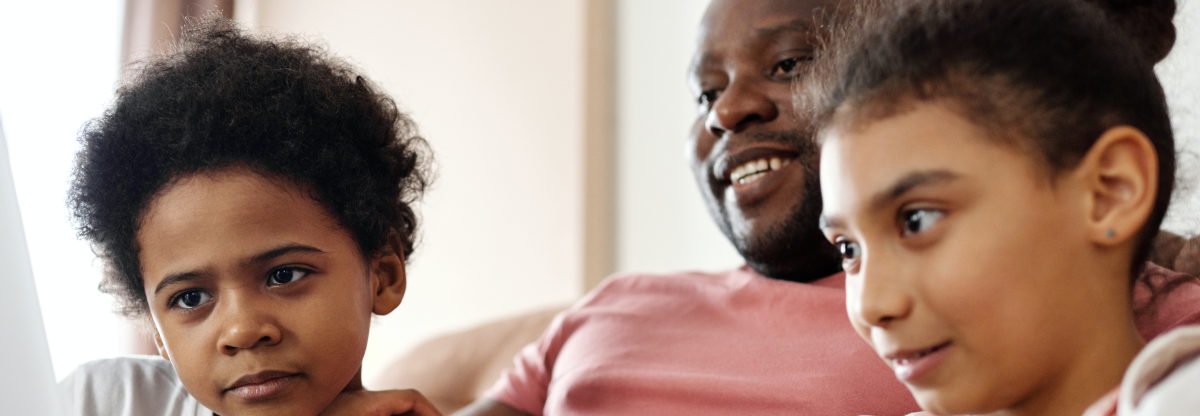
1148	22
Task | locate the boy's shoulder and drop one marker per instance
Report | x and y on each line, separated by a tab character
127	386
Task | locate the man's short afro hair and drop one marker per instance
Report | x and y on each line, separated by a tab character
280	107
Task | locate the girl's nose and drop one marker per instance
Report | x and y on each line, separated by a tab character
880	297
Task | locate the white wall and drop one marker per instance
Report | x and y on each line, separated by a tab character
496	88
1180	75
58	66
662	224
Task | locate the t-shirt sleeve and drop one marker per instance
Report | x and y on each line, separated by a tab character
524	387
127	386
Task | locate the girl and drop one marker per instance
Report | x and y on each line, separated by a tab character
252	200
994	174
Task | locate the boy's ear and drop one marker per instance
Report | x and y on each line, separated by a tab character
1120	175
388	281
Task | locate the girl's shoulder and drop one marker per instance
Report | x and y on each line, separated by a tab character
1164	379
127	386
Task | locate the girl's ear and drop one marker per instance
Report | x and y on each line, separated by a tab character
1120	175
388	281
158	343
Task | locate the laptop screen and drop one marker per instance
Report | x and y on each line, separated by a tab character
26	374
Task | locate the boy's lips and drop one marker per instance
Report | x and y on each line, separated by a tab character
911	365
261	385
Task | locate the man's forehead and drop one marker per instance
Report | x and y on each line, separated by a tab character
740	23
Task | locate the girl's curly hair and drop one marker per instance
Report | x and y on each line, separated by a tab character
280	107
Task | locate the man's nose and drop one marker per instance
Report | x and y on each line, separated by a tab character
246	323
742	104
881	296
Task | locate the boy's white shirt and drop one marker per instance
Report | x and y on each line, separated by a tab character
127	386
1164	379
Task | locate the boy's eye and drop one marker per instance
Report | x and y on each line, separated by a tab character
919	220
191	299
285	275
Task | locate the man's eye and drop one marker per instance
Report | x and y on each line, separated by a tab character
919	220
707	99
285	275
787	67
191	299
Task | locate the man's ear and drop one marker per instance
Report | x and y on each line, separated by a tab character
1120	176
388	281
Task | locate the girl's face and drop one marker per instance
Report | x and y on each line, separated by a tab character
961	259
261	301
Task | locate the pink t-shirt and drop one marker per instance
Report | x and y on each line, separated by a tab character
733	343
704	344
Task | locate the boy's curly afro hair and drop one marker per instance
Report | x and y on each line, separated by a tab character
279	107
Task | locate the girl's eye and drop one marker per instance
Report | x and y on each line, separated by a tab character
918	220
285	275
191	299
787	67
849	249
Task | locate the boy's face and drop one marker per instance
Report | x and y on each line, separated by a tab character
261	301
961	258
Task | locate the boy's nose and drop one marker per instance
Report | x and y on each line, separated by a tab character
247	327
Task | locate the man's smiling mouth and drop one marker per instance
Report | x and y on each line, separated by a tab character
754	170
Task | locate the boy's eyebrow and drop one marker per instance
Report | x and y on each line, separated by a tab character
908	183
176	278
257	258
283	250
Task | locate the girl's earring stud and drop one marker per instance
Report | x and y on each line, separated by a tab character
1110	234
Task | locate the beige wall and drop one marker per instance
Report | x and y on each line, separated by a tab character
661	221
497	89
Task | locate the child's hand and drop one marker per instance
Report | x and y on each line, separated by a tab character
380	403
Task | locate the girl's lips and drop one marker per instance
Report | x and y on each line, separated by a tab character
262	385
911	365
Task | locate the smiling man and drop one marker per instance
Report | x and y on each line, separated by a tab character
770	337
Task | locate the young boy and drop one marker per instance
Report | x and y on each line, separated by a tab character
252	199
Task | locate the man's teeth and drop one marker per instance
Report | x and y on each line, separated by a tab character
755	169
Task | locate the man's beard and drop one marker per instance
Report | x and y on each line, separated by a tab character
794	249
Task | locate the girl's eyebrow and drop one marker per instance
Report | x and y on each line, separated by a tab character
898	188
909	182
